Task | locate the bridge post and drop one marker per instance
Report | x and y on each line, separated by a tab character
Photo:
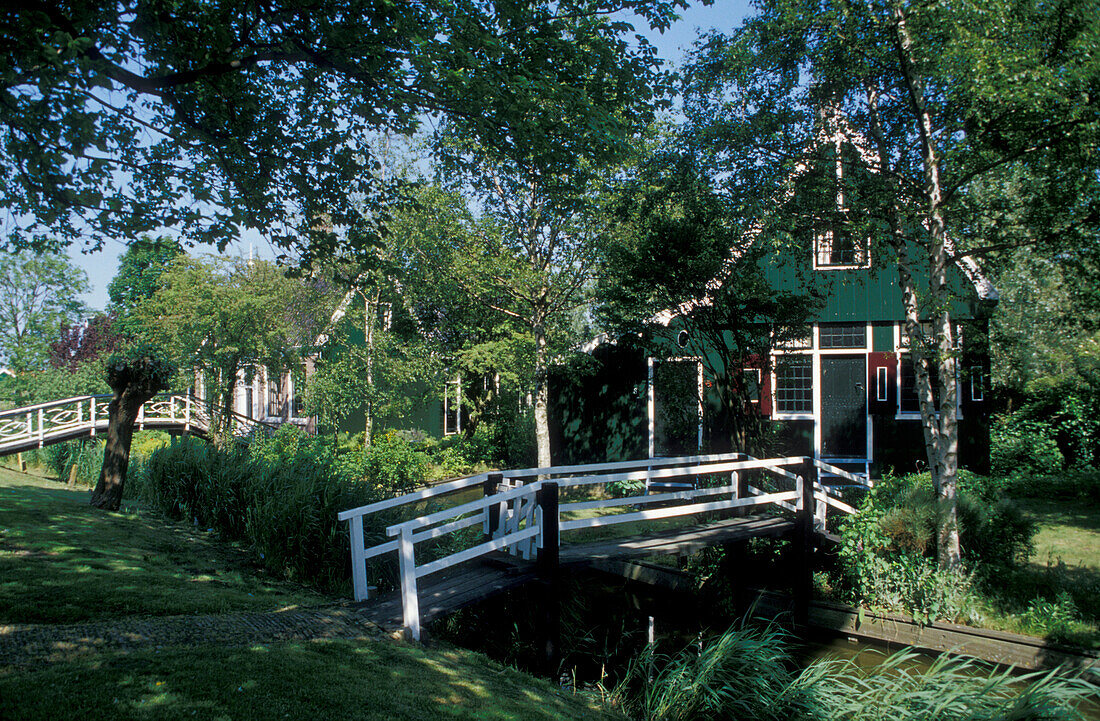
358	562
410	605
803	542
548	565
548	538
492	512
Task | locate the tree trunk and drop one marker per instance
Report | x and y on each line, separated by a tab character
945	472
122	412
369	310
542	396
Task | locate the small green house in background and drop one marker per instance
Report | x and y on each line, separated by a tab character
841	389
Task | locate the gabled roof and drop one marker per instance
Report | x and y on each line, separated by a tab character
842	133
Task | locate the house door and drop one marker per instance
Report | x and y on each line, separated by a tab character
675	412
844	406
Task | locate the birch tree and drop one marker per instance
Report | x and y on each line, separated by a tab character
930	99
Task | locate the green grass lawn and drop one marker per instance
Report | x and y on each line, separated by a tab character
283	682
1069	531
1065	565
91	565
61	561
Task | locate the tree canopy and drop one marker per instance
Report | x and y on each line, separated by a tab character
39	294
212	117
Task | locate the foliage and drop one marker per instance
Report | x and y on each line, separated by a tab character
676	243
85	342
51	384
138	278
224	318
952	688
281	495
747	673
1023	447
1052	618
744	673
39	294
390	465
887	549
223	117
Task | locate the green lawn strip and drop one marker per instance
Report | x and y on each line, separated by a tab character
287	681
1069	531
62	561
1066	559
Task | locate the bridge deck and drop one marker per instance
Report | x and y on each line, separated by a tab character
445	592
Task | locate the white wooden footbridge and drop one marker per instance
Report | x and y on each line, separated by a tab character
451	557
24	429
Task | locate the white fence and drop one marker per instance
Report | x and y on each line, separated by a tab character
515	515
86	416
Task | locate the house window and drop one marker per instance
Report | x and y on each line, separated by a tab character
273	398
297	403
798	338
977	384
751	379
794	384
908	399
848	335
452	407
835	247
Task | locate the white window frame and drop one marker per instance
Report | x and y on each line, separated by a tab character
457	383
651	399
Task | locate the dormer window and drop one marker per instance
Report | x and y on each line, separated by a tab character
835	247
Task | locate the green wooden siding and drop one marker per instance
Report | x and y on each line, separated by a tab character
858	295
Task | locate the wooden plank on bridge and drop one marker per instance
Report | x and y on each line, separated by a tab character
677	541
445	592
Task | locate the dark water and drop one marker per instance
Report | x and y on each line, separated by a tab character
604	621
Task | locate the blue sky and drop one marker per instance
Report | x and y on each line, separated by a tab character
671	45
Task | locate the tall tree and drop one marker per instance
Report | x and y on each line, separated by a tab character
226	319
533	256
207	117
927	101
39	294
138	277
135	374
677	256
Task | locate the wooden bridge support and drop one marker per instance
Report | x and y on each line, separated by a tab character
549	566
492	514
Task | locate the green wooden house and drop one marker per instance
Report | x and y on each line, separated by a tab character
843	392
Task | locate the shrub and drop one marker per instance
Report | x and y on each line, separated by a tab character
392	465
1023	447
280	496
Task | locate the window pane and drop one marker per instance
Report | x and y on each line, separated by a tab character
909	400
843	336
794	384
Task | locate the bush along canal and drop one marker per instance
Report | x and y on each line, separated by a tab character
658	647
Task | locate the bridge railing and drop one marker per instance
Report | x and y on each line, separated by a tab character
360	554
677	503
39	425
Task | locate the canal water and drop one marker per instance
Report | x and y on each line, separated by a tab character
604	621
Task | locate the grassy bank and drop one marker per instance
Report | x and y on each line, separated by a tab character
306	681
61	561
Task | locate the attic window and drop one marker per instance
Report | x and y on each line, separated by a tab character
835	247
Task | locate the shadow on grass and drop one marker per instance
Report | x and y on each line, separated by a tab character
329	679
63	561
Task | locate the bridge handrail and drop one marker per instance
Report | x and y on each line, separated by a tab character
829	468
460	484
24	410
513	517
